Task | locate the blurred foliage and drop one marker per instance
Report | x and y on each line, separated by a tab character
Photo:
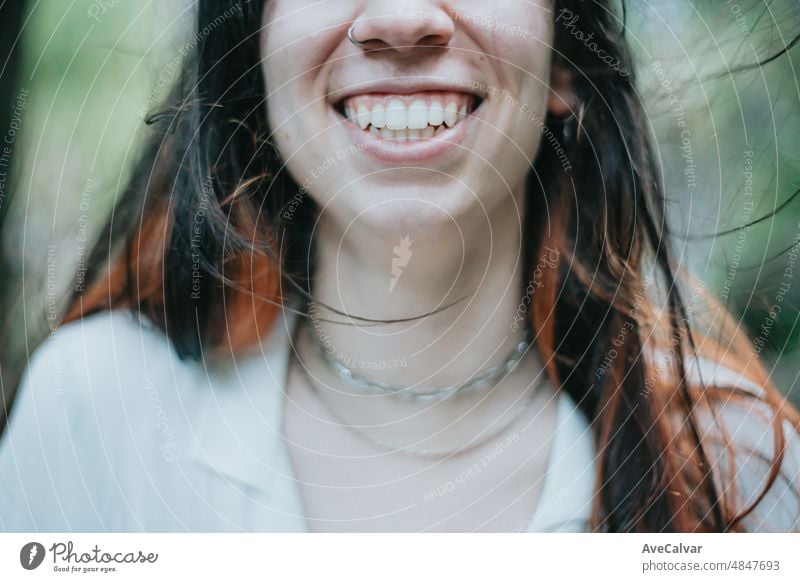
86	68
742	124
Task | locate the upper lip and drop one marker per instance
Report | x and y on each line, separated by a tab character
402	86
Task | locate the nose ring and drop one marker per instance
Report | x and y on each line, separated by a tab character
352	38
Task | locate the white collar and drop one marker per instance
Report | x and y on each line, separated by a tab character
239	435
566	500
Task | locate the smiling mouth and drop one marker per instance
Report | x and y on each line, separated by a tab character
411	117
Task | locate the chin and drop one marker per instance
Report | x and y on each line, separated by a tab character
421	211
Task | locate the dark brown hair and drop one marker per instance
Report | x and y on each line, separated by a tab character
604	319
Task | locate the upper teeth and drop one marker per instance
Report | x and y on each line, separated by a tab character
394	114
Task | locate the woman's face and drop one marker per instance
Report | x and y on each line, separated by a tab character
438	116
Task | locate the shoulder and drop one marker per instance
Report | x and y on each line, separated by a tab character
109	340
111	430
100	362
114	368
746	432
86	408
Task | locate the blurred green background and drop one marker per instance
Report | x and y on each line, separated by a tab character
88	70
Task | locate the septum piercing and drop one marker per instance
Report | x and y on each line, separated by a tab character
351	38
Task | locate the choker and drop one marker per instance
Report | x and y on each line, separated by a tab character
365	384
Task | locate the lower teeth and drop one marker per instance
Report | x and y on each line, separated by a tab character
407	134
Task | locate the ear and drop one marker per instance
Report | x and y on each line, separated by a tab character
561	96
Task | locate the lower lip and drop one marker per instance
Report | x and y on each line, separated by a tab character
409	152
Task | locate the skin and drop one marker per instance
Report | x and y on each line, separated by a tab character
461	210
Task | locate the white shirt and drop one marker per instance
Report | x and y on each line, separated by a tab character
111	431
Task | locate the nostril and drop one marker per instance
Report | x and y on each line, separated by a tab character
433	40
402	32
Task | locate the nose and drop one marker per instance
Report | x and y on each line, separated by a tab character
412	25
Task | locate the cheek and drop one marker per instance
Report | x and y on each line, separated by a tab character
527	52
285	68
293	47
287	97
516	32
298	38
519	102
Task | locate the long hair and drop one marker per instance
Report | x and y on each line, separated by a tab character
211	235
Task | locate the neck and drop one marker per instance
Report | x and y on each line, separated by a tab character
455	293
